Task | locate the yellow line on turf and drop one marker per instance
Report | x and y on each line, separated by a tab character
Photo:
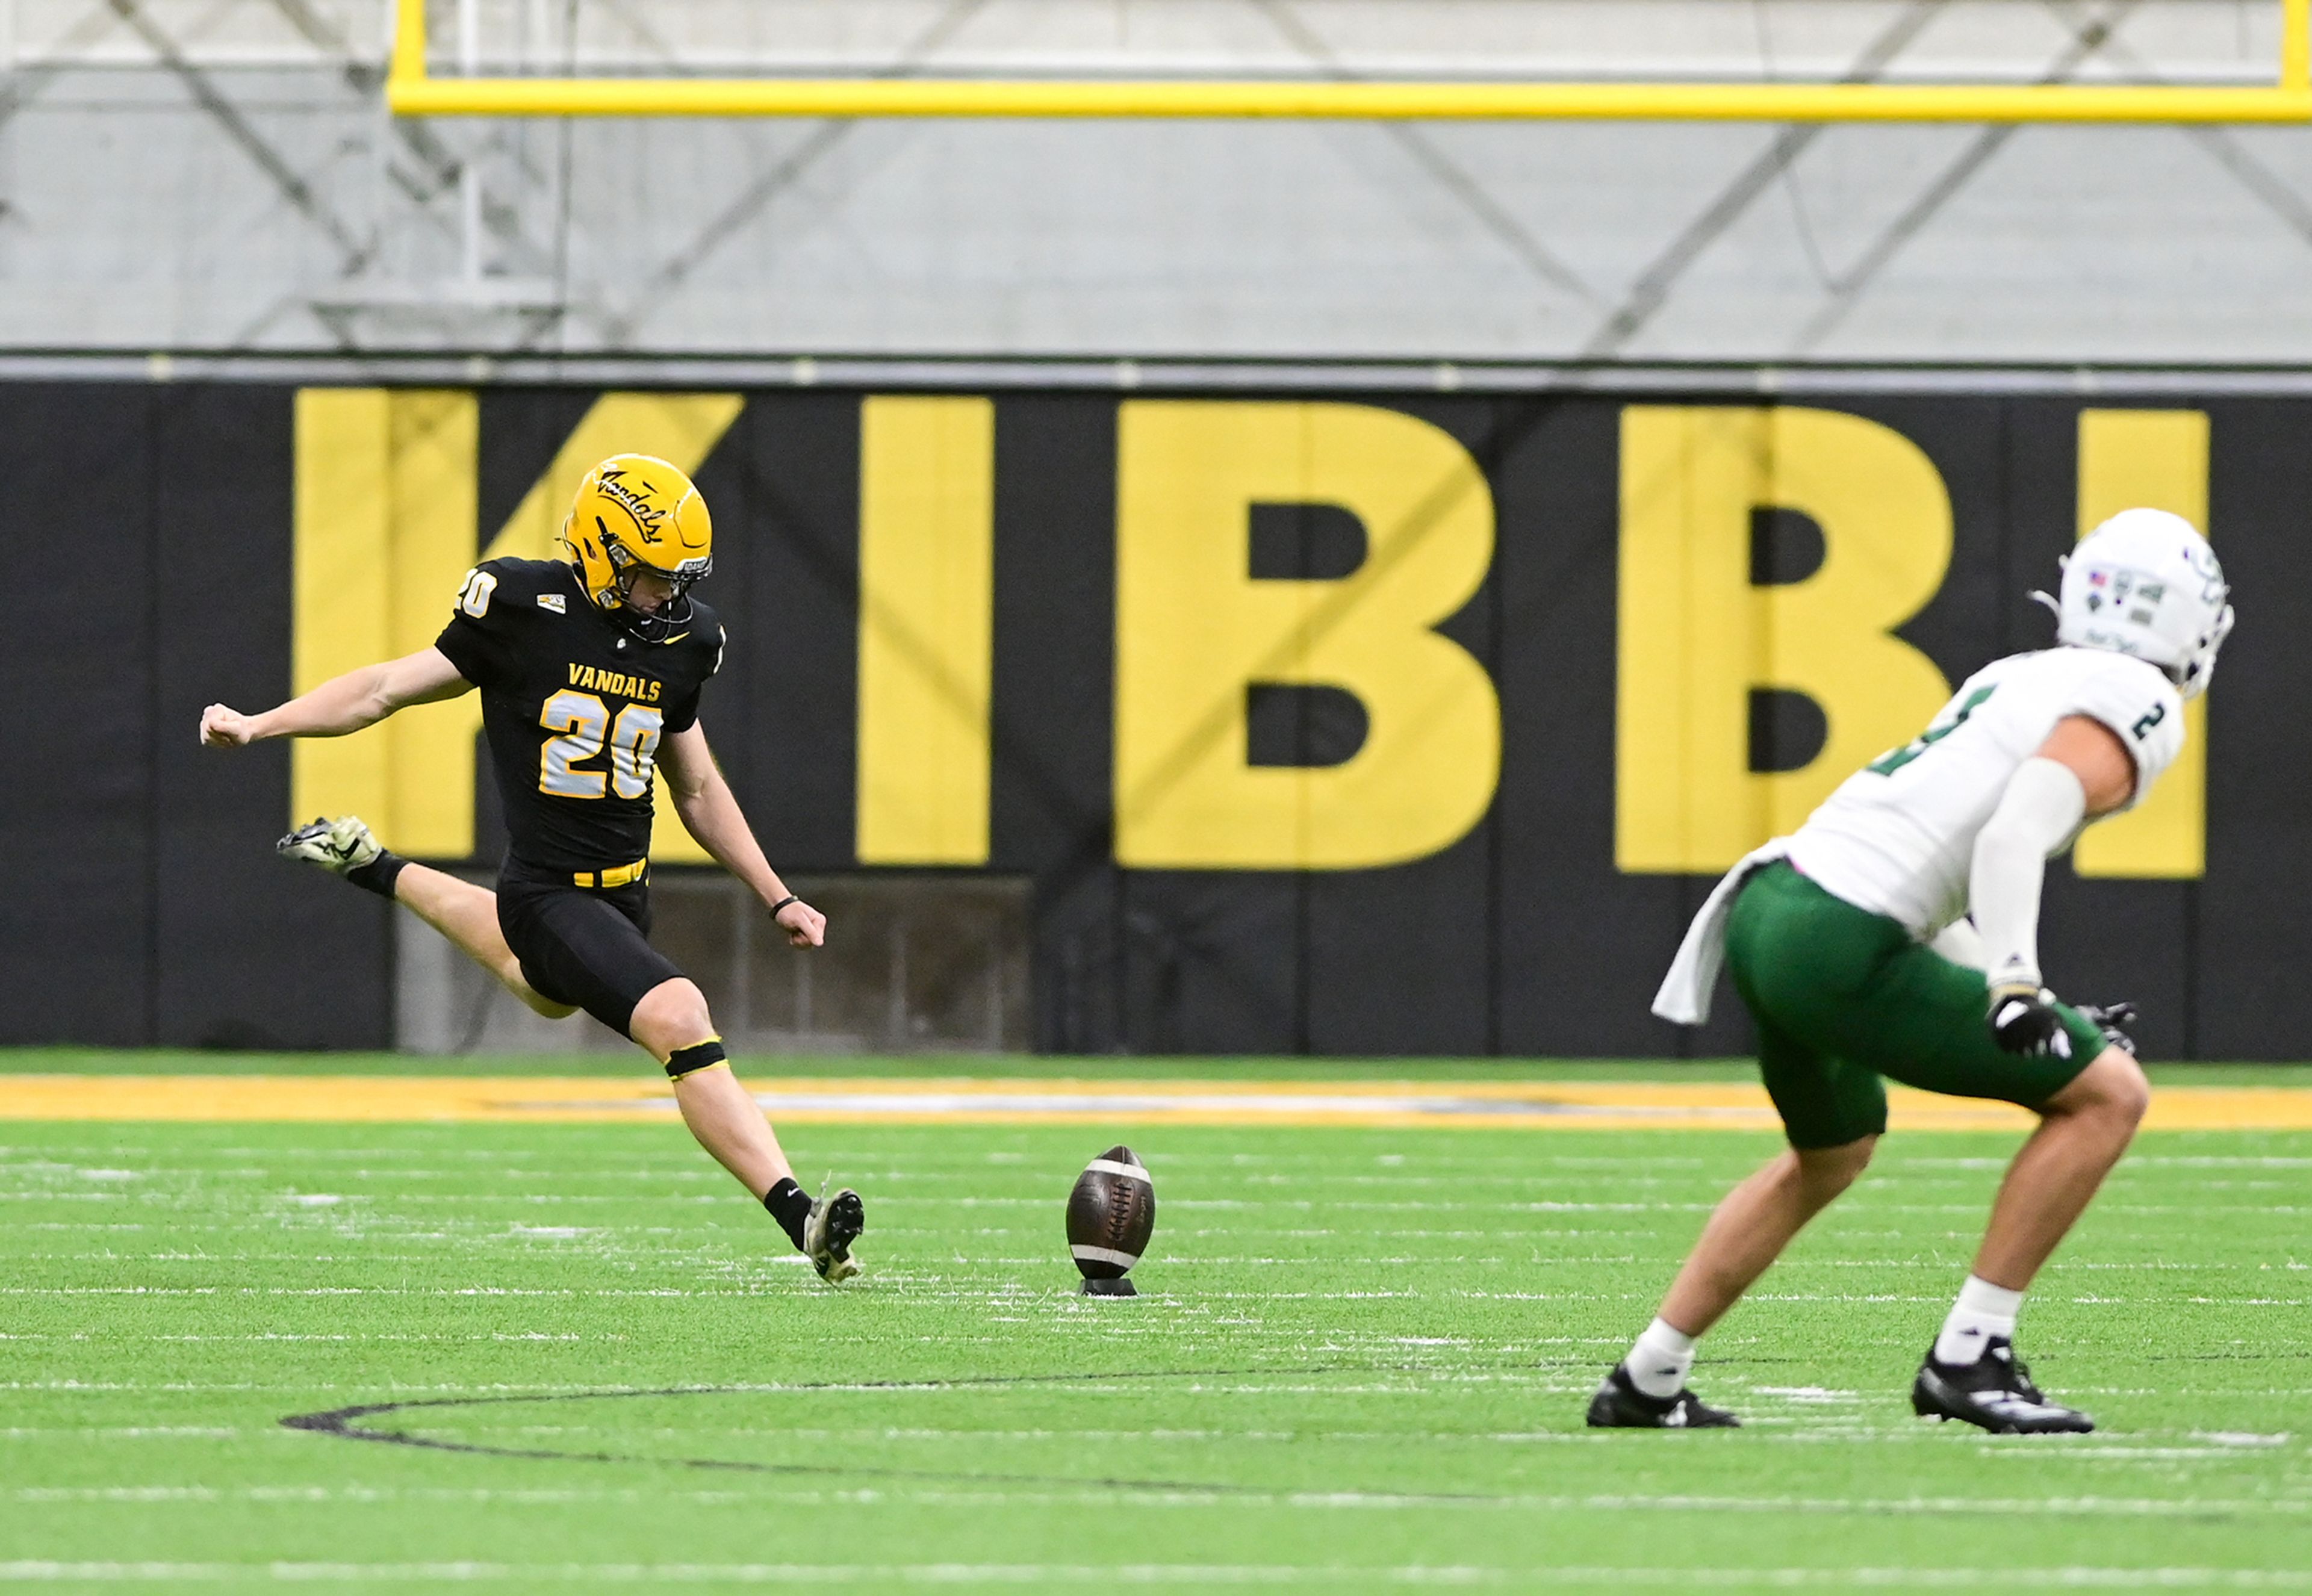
1382	1105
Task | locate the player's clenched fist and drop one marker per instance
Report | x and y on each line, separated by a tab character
222	726
805	926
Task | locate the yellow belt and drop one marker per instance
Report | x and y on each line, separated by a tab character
618	876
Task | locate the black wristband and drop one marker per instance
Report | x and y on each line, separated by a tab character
781	903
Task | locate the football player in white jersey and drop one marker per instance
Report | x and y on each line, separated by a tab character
1852	945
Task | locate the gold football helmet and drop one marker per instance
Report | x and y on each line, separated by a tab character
636	514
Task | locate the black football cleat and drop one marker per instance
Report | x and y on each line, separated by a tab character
835	1223
1620	1404
1992	1393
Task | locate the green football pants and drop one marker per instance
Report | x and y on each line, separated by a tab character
1844	997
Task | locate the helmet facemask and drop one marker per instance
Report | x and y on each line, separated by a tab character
2201	668
674	613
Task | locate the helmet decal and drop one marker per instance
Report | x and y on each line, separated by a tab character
610	482
647	519
2146	583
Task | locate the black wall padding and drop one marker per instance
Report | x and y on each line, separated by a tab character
142	905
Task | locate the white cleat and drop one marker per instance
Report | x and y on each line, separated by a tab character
835	1223
335	845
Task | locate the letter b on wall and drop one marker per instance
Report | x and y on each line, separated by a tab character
1196	631
1697	637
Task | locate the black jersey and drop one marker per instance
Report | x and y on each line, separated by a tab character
574	706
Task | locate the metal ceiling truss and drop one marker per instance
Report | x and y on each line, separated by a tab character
503	283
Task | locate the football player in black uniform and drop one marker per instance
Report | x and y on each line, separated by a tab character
590	669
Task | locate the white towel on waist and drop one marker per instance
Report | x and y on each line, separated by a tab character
1685	996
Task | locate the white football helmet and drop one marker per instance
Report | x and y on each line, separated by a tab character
2146	583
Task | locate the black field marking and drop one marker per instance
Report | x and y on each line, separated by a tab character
341	1422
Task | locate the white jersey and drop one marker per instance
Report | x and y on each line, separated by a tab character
1897	838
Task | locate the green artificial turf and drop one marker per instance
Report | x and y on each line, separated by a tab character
1360	1362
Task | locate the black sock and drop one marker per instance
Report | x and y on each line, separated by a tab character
790	1204
378	875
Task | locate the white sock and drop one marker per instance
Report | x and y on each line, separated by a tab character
1981	1312
1660	1361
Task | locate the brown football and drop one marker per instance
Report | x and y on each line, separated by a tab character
1111	1215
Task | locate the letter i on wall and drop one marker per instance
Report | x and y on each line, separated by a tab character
2152	459
926	629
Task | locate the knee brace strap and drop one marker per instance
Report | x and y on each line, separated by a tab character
698	1055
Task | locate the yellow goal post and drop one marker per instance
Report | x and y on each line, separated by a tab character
412	90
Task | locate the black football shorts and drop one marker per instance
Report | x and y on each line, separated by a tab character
581	945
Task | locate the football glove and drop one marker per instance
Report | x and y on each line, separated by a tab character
2114	1020
2023	1021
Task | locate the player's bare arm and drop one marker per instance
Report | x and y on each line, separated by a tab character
2093	752
343	704
2098	760
710	813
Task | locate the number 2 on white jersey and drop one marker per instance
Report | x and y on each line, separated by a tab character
582	719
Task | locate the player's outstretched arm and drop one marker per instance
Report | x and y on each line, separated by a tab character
2080	772
343	704
710	813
